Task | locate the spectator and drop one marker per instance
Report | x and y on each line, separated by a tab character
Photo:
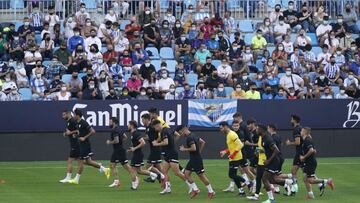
139	55
69	25
137	39
55	85
165	81
82	15
351	80
145	17
193	32
201	15
112	16
125	94
3	47
341	94
187	93
280	56
324	57
142	95
98	17
121	43
180	74
339	58
91	92
225	72
38	85
293	81
165	34
31	57
305	19
332	71
104	32
321	82
319	15
187	14
207	68
248	57
112	95
13	95
309	56
291	17
37	19
47	47
213	45
272	80
252	93
353	92
16	47
268	31
93	39
121	7
350	18
270	66
355	65
116	72
63	55
9	83
26	29
146	69
206	28
280	95
104	84
170	18
131	28
288	45
323	30
22	80
258	43
346	42
302	40
292	94
267	93
54	68
201	55
110	55
239	41
75	40
201	92
63	94
235	53
219	92
339	27
281	29
244	81
182	47
76	85
57	35
171	94
52	18
177	30
275	15
229	23
327	94
133	84
213	81
224	45
238	93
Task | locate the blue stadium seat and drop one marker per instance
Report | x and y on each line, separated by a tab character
103	49
313	38
91	4
38	38
232	38
157	64
81	75
259	65
246	26
316	50
252	76
25	94
229	90
179	89
354	36
164	4
154	52
233	4
216	63
56	48
5	4
66	78
166	53
270	49
18	4
190	2
292	37
192	79
18	24
335	89
46	63
171	65
280	75
123	24
248	37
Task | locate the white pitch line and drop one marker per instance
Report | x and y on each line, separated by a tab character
57	167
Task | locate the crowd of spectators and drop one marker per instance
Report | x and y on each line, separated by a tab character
89	57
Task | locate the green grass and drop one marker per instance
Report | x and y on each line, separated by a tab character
31	182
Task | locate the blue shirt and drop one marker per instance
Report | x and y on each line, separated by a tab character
278	97
135	60
273	82
74	41
186	94
355	68
267	96
213	44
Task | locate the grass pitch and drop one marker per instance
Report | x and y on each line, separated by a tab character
37	182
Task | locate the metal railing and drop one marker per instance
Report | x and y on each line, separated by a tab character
240	9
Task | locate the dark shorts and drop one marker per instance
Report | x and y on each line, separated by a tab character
296	161
195	165
119	157
137	160
74	153
275	166
310	169
154	158
85	151
239	163
254	161
171	157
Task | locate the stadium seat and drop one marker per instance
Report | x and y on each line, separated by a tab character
233	4
229	90
216	63
313	38
154	51
171	65
248	37
179	89
270	49
126	77
157	64
335	89
81	75
252	76
280	75
5	4
123	24
90	4
192	79
316	50
232	38
18	24
259	65
103	49
46	63
246	26
66	78
164	4
25	94
38	38
17	4
166	53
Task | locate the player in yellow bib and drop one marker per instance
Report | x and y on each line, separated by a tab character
235	156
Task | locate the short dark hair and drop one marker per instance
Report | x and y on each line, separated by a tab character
261	129
296	118
133	123
272	126
155	122
251	121
224	123
146	116
115	120
237	114
153	110
78	112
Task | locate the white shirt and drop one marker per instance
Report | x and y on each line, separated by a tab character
287	83
224	72
100	31
69	29
112	18
281	28
43	33
171	96
52	19
302	41
322	29
21	71
89	41
288	47
9	85
122	44
325	56
82	17
340	96
335	43
63	98
171	20
29	54
348	82
50	45
329	96
94	56
153	85
164	84
248	58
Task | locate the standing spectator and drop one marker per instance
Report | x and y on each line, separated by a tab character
323	30
290	80
52	18
63	94
291	17
224	45
350	18
339	58
82	15
201	15
86	29
165	81
104	32
219	92
305	19
193	33
133	84
252	93
75	40
139	55
38	85
332	71
213	81
213	46
187	93
268	31
54	68
37	19
229	23
187	14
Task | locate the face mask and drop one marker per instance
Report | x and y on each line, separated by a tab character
235	48
342	91
164	75
63	89
147	12
332	62
38	76
340	20
281	22
16	38
248	51
91	86
82	10
291	7
27	23
165	26
125	93
338	52
147	65
277	9
193	28
88	24
172	90
332	37
288	73
238	89
143	93
99	10
7	79
326	22
351	77
100	61
221	89
348	10
244	77
111	12
75	76
322	77
270	77
169	14
258	35
178	25
190	10
281	93
183	38
270	64
76	33
260	77
281	48
292	93
353	48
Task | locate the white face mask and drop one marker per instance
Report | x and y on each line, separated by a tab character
63	89
99	10
340	20
221	89
326	22
91	86
38	76
88	24
147	65
183	38
172	90
100	61
147	12
70	20
165	26
270	77
270	64
292	93
164	75
178	25
235	48
248	51
111	12
82	10
338	52
353	48
26	23
322	77
281	48
76	33
342	91
16	38
351	77
169	14
143	93
288	73
281	22
244	77
238	89
7	79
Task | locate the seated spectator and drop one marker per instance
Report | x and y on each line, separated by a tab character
98	17
327	94
99	66
146	69
91	92
116	72
319	15
323	30
180	74
258	43
268	31
219	92
177	30
165	34
145	17
151	81
54	68
182	47
9	84
213	45
238	93
104	32
353	92
346	42
110	54
38	85
31	57
200	57
280	95
291	17
196	43
207	68
213	81
280	56
288	45
259	80
26	29
104	84
235	53
133	84
224	45
142	95
170	18
270	66
16	47
187	93
321	82
39	68
281	29
139	55
305	19
292	94
165	81
92	39
55	85
267	94
339	58
171	94
351	80
125	94
350	18
275	15
341	94
240	41
193	32
339	27
332	71
63	94
76	85
271	80
75	40
290	80
244	81
112	16
252	93
225	72
152	35
137	39
63	55
112	95
94	54
200	91
355	65
229	23
324	58
22	80
302	40
309	55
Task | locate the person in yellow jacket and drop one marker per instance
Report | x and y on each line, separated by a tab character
235	156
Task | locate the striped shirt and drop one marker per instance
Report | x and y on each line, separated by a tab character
39	85
331	70
36	19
